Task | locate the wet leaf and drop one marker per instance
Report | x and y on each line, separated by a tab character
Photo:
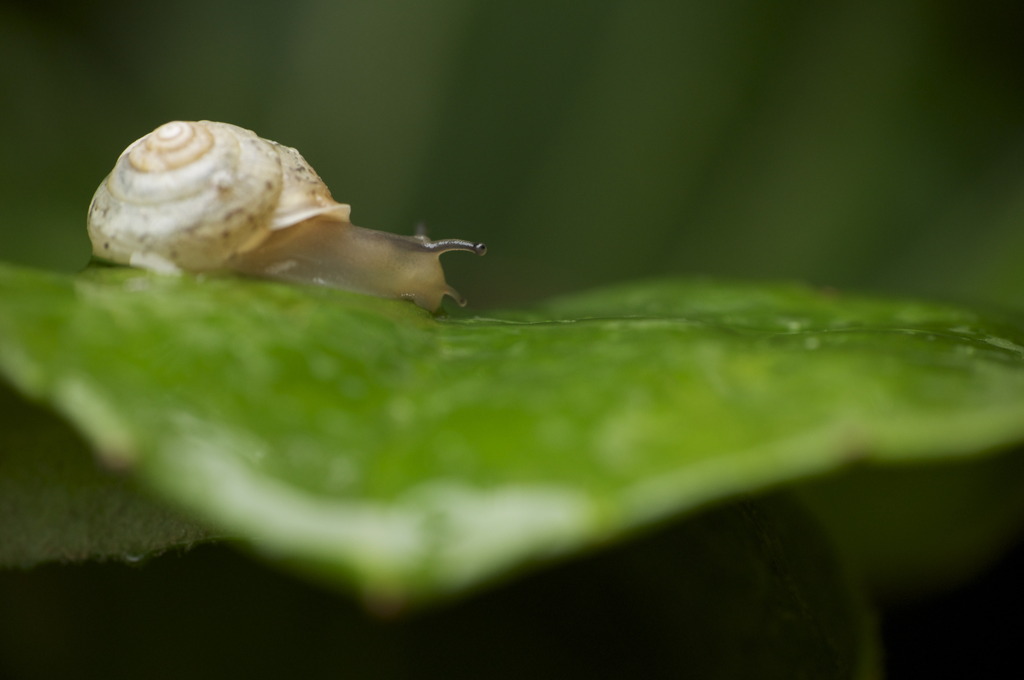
414	456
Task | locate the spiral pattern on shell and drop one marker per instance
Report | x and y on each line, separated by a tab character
169	147
190	195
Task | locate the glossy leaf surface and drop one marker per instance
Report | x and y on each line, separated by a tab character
414	456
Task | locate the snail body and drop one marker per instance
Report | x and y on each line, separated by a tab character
210	197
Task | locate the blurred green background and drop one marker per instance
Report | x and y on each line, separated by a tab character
856	143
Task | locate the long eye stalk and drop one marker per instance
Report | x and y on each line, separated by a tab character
450	244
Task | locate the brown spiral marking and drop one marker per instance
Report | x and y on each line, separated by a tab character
170	146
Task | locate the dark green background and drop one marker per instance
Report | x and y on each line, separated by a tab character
866	144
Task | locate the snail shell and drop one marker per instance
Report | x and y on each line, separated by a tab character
207	197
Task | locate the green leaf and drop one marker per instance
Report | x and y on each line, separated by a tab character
414	456
678	602
913	531
58	504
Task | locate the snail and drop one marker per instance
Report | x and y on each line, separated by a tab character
214	197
